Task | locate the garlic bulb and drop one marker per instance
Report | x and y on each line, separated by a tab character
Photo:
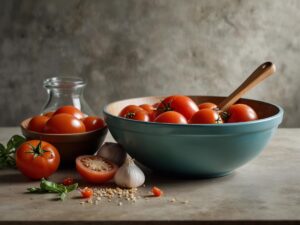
129	175
112	152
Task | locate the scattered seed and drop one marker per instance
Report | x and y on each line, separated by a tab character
173	200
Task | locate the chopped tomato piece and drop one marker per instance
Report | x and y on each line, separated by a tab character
86	192
68	181
156	191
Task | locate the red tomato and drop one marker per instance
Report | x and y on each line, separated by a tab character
206	116
134	112
86	192
156	191
95	169
141	115
241	113
151	111
171	117
69	109
129	109
153	115
182	104
147	107
37	123
155	105
68	181
93	123
37	159
48	114
64	124
207	105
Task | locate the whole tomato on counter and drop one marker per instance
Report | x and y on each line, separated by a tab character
37	159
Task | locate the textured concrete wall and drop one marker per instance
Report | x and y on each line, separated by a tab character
144	47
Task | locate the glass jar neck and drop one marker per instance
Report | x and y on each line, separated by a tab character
59	92
64	84
65	91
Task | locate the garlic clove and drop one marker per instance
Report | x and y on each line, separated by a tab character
129	175
112	152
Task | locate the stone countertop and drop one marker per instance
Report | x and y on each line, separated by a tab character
266	190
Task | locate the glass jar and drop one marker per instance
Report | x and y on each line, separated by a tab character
66	91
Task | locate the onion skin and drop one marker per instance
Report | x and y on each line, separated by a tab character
112	152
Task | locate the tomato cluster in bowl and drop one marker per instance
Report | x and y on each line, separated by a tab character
65	120
180	109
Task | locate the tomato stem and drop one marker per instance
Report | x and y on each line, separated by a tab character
37	151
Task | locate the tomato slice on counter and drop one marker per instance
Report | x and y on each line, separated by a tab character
95	169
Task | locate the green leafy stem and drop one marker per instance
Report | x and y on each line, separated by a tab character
47	186
7	154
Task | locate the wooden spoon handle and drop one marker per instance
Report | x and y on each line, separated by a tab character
262	72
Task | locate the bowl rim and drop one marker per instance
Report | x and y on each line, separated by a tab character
277	115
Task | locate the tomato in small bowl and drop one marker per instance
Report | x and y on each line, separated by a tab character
199	150
70	145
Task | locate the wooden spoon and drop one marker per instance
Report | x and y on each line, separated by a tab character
262	72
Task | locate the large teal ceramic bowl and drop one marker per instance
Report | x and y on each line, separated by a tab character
194	149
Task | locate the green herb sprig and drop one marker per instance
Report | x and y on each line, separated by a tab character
7	154
47	186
